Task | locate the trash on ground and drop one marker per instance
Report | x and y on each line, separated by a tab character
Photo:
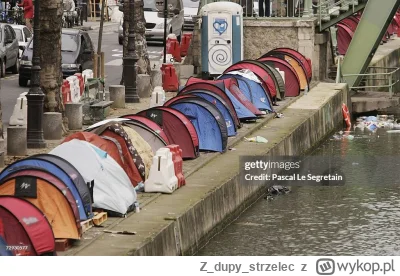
279	115
257	139
232	149
120	232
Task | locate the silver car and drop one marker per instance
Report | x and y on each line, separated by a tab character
191	8
155	23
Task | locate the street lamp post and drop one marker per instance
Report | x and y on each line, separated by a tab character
131	95
35	95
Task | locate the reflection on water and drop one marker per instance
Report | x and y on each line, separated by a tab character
351	220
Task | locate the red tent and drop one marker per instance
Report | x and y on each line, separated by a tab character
232	85
292	83
25	225
344	36
149	123
262	73
178	128
351	22
297	56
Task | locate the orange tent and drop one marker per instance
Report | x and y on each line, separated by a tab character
299	70
49	199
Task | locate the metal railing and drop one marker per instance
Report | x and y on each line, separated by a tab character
322	9
381	79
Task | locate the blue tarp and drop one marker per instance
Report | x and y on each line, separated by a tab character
207	128
253	91
3	248
223	109
53	169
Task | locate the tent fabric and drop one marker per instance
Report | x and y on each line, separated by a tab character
207	119
280	82
217	91
296	55
149	123
117	149
143	148
292	83
221	105
112	189
150	136
253	91
25	224
53	180
49	199
351	22
52	168
74	175
344	36
178	128
231	88
3	247
300	70
260	70
116	131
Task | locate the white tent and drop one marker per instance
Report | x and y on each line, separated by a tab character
113	190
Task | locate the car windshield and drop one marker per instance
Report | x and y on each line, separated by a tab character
19	35
191	4
69	43
149	5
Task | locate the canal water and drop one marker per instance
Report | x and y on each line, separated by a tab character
354	219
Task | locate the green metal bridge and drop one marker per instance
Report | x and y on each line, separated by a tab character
375	20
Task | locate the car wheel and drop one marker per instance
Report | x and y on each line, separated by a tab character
22	82
15	68
120	41
2	69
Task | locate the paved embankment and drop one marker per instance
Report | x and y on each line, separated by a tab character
181	223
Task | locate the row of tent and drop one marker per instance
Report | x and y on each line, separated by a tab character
347	27
46	196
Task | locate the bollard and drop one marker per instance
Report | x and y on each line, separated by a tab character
16	141
107	96
2	157
117	95
52	125
74	113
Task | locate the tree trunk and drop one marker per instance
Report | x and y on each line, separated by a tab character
51	74
143	64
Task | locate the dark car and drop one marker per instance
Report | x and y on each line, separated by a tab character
9	50
77	54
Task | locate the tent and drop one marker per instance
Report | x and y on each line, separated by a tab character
220	104
292	82
49	199
117	150
64	171
207	119
279	81
114	130
262	72
296	65
344	35
212	88
111	187
351	22
178	128
291	53
231	86
40	173
22	223
149	123
253	89
3	248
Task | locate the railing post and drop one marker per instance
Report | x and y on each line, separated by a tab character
308	9
390	85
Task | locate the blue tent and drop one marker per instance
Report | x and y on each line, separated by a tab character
3	248
253	91
85	208
207	119
221	105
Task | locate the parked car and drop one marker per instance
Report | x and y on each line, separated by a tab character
9	50
23	37
77	54
191	8
155	24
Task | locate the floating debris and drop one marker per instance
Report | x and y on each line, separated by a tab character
276	190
